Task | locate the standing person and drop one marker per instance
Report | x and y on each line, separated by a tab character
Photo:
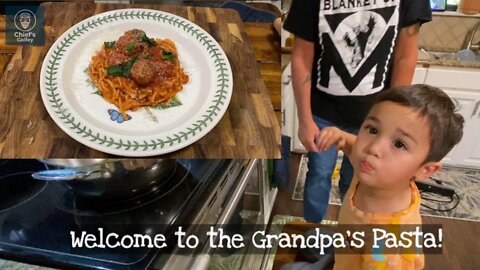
344	54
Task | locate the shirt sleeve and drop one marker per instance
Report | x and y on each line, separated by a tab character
302	19
415	11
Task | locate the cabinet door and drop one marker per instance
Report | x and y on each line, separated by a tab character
467	105
288	104
419	75
472	137
463	86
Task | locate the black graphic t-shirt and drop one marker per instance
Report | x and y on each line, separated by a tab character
354	43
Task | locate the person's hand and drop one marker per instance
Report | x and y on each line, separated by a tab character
329	136
307	133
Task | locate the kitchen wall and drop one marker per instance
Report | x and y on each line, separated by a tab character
448	32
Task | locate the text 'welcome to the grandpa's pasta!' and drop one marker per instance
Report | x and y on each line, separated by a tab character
389	239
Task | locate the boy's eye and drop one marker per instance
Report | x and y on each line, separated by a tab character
399	144
372	130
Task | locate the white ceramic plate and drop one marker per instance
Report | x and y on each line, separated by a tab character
70	98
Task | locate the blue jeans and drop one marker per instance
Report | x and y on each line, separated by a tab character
319	177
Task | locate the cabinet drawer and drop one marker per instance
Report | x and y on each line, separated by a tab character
456	78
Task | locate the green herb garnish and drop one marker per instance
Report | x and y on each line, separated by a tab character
130	47
123	69
109	44
150	41
174	102
166	55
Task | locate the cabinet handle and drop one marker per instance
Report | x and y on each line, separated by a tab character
475	109
283	117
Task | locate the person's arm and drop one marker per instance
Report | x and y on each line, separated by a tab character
405	56
302	61
333	135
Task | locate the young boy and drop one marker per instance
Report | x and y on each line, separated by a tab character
406	133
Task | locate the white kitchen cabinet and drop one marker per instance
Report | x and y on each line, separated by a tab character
419	75
463	86
288	102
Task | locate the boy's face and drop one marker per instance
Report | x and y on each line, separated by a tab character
391	147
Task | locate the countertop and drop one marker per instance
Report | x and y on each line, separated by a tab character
286	57
249	129
426	58
449	63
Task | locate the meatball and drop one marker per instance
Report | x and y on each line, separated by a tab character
130	42
143	72
135	32
116	58
166	69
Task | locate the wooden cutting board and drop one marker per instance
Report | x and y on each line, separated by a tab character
248	129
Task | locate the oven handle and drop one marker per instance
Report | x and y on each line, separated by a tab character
202	261
238	193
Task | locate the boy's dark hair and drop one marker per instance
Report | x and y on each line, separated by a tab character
446	126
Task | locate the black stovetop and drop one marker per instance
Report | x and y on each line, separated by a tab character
36	217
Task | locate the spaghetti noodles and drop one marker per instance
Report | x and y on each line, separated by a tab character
137	71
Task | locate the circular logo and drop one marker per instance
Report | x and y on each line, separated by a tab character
25	20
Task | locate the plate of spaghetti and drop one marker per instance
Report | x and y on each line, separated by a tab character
136	82
136	71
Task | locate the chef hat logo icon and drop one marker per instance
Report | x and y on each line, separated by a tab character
25	20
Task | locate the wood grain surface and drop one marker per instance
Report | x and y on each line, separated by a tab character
266	46
249	128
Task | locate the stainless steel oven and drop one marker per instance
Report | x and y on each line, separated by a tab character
243	201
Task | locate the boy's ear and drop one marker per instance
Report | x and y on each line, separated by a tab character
428	169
